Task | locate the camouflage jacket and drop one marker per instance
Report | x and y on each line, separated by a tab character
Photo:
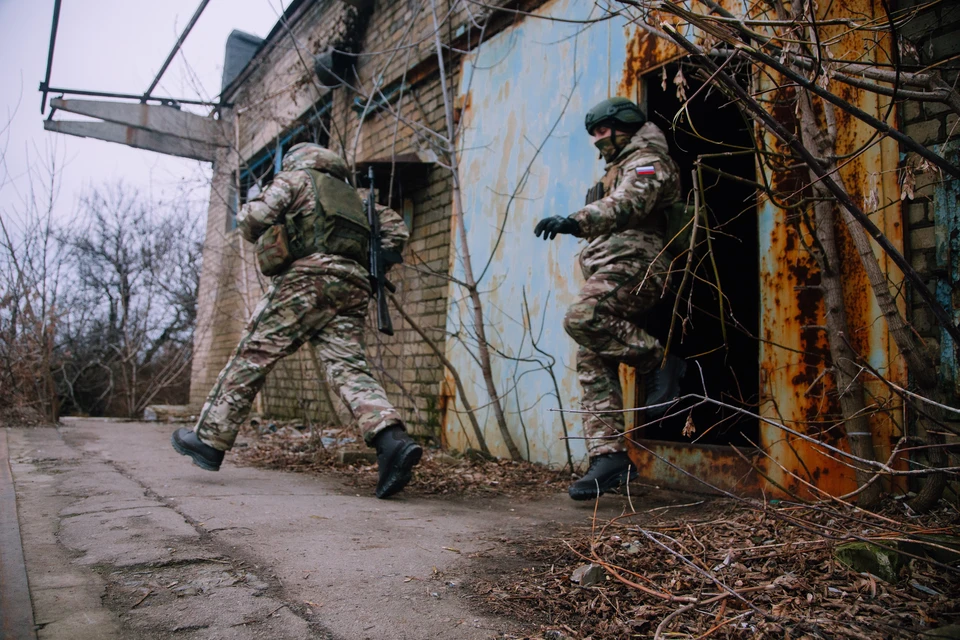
626	224
291	192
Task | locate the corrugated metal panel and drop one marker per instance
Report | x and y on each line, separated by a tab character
518	83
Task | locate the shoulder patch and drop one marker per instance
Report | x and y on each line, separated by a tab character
651	169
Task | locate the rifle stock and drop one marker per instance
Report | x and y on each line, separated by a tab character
378	271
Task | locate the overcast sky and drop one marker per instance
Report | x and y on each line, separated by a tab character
117	46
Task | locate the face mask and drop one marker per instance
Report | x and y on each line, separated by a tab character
611	146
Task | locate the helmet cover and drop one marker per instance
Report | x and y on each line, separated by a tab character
307	155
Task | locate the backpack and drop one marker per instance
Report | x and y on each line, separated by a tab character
679	227
337	225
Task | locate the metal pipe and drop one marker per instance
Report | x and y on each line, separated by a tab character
53	40
176	48
129	96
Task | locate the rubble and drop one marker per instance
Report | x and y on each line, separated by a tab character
587	575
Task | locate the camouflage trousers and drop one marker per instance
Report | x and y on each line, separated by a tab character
606	321
301	305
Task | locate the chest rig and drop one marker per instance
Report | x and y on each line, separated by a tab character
337	224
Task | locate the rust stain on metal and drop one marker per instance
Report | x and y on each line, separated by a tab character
644	53
796	392
806	407
628	381
871	175
679	465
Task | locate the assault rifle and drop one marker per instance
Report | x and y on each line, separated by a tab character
380	260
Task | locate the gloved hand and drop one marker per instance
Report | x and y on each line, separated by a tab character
553	225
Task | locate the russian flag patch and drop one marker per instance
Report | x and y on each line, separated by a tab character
648	170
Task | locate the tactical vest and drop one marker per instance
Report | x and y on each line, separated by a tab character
336	225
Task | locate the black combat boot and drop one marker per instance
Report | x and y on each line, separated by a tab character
606	473
186	442
663	385
397	455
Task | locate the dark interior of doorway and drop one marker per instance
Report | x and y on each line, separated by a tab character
730	365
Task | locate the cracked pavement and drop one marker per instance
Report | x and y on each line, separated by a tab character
123	538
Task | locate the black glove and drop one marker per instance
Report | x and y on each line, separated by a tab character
553	225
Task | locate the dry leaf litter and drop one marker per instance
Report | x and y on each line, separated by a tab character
728	569
295	448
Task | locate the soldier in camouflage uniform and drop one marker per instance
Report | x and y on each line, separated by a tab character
321	298
625	226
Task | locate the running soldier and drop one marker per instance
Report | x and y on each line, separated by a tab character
624	221
321	297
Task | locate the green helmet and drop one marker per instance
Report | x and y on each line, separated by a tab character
308	155
614	110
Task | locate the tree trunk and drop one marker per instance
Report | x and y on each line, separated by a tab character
932	490
913	352
848	383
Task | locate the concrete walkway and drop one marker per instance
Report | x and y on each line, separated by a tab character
123	538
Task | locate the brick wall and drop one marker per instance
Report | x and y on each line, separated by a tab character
933	222
934	125
222	305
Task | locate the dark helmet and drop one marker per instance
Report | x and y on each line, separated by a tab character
615	110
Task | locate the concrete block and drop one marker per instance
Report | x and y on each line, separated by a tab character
920	262
921	321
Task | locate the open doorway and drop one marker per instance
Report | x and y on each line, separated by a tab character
726	352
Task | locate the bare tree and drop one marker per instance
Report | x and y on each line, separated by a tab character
137	274
31	265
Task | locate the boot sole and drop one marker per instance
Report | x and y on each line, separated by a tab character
402	471
612	485
196	457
